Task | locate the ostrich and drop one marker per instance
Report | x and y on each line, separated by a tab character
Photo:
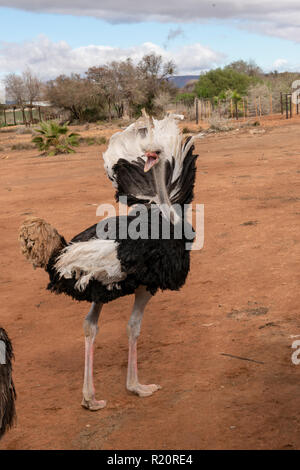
7	389
149	164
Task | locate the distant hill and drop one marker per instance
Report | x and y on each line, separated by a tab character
181	80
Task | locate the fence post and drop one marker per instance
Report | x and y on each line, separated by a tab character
14	113
271	105
286	106
24	117
197	111
281	103
236	111
291	106
5	123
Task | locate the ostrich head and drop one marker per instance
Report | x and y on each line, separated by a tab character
149	163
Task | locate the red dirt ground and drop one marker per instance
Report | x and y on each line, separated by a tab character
241	298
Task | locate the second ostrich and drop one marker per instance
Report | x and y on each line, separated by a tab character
149	164
7	388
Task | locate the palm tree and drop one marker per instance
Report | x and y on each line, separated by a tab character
236	97
54	139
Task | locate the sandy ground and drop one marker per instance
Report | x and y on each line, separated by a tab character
241	299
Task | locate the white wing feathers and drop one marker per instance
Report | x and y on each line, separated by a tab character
94	259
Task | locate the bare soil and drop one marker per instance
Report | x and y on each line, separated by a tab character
241	299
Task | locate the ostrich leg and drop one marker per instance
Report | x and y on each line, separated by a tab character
142	296
90	330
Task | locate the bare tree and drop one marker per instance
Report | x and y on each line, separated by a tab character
23	89
130	85
15	90
32	86
105	84
74	94
154	73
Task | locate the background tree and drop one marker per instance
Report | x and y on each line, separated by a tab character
15	90
154	73
217	82
23	90
186	98
32	87
105	85
127	88
74	94
249	68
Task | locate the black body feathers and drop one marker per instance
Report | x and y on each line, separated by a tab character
156	263
7	388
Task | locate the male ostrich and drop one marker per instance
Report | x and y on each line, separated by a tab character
150	165
7	389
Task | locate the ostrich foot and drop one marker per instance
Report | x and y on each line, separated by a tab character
93	405
143	390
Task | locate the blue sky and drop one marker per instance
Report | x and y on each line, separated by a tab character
80	34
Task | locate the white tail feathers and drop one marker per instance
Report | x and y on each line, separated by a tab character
39	240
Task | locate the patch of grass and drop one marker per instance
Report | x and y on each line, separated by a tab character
5	130
219	124
24	130
250	222
186	130
22	146
93	140
101	140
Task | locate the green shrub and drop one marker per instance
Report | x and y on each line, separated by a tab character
55	139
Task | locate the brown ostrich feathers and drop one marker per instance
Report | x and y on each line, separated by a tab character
39	240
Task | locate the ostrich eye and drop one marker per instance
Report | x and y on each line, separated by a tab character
158	152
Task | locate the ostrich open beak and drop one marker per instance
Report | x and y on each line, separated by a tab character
152	159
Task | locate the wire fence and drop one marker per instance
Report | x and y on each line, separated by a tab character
241	108
201	110
14	116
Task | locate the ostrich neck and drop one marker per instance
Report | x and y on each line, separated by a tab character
164	202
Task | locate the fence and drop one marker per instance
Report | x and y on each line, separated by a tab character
245	107
14	116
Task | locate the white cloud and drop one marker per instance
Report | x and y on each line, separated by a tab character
273	17
48	59
280	64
